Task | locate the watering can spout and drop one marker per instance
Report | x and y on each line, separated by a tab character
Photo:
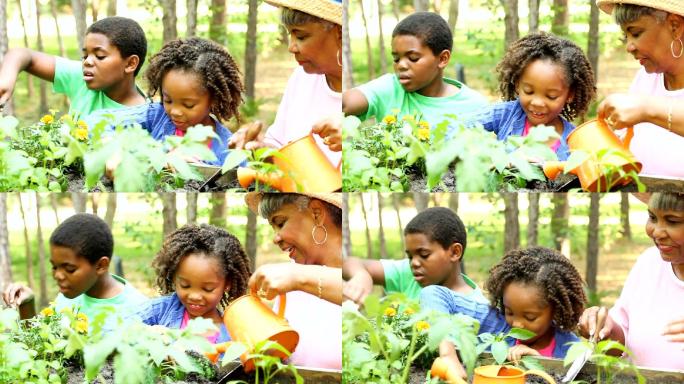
246	176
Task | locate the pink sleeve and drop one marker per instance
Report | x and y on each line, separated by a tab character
630	293
276	135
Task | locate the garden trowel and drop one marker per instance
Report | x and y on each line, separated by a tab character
579	362
227	370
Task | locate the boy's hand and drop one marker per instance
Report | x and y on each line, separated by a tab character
6	89
247	136
330	130
17	294
358	287
516	353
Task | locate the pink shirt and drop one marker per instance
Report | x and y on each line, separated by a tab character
546	351
307	100
659	150
651	297
184	323
554	146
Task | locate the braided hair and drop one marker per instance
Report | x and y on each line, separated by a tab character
208	241
211	62
552	273
544	46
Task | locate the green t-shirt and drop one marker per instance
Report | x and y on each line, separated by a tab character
125	304
399	278
385	95
69	81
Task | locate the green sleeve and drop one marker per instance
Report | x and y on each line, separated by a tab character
68	76
399	278
382	96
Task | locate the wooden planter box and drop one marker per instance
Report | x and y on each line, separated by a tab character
310	375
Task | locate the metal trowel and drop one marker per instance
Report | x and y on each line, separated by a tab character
579	362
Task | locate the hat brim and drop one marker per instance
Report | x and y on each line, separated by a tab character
324	9
644	197
671	6
252	199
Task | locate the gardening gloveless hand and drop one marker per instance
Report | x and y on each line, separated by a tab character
674	331
589	324
516	352
17	294
330	130
621	110
358	287
276	279
247	136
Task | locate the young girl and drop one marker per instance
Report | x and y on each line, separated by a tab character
546	80
199	83
201	268
537	289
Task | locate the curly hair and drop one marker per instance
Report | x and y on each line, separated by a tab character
551	272
211	62
125	34
439	224
209	241
429	27
85	234
544	46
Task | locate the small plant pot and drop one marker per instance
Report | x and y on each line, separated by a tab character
502	374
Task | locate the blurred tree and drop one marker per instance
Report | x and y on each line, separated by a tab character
217	24
593	242
43	107
78	8
453	15
42	274
95	9
421	200
395	9
510	21
626	231
29	83
53	203
79	201
395	203
532	218
95	201
421	5
251	50
4	44
593	39
381	41
190	18
111	8
27	245
511	225
381	229
168	213
251	239
453	201
559	223
369	249
347	73
346	233
5	262
369	55
191	211
533	16
217	216
169	32
111	209
561	18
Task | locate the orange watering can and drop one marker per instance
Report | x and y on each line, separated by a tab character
250	321
502	374
304	166
590	137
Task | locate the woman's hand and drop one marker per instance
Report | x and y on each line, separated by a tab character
271	280
516	353
674	331
247	136
358	287
621	110
330	130
596	319
17	294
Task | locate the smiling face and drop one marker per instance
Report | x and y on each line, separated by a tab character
666	228
103	66
543	92
431	264
293	228
525	307
200	285
649	42
186	101
74	274
416	66
315	47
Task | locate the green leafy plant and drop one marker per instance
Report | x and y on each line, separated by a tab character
607	366
499	347
267	366
259	160
606	162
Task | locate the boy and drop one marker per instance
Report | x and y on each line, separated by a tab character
80	252
113	53
435	243
421	49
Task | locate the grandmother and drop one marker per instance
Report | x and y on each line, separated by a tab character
654	30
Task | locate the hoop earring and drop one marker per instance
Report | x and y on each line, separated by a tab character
339	57
313	234
681	48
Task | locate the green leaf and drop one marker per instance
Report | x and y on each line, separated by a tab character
575	159
521	334
129	365
499	351
235	157
128	176
94	355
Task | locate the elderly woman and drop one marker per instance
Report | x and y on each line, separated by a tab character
309	228
312	101
653	105
649	316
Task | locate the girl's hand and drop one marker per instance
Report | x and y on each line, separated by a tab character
330	130
271	280
674	331
516	352
17	294
621	110
247	136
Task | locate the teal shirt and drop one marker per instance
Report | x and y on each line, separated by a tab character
385	95
399	278
69	81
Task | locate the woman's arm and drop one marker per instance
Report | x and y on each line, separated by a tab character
622	110
272	280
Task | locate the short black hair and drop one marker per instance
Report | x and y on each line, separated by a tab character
85	234
439	224
208	241
429	27
552	273
125	34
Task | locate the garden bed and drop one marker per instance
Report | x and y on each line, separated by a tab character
310	375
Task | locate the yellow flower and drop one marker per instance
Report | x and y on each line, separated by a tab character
424	124
408	118
81	326
390	311
409	311
422	325
424	134
389	119
66	118
47	312
66	310
81	133
47	119
82	317
82	124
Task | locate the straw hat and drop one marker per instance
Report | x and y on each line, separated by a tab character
254	198
671	6
330	10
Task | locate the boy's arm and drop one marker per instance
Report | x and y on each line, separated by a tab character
22	59
354	102
360	275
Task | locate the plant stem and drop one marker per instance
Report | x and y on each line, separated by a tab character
407	366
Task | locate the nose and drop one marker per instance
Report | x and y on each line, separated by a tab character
402	65
194	296
57	275
659	231
292	47
174	112
630	46
537	102
88	61
415	262
517	324
277	239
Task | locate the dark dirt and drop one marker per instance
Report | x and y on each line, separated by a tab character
76	183
418	182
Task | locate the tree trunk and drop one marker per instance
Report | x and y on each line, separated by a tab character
421	201
453	202
95	201
532	219
347	73
111	8
27	246
381	41
511	226
453	15
593	39
191	198
191	18
95	9
5	262
626	231
251	239
251	50
217	25
168	212
78	7
436	199
369	245
346	233
43	106
437	6
559	223
560	24
395	9
421	5
168	20
593	242
42	275
111	209
369	54
217	216
53	203
29	83
381	229
510	21
395	203
79	201
533	17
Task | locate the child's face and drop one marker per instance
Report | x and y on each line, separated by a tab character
315	48
186	101
103	66
414	63
74	274
292	228
430	263
200	284
543	92
525	307
666	228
